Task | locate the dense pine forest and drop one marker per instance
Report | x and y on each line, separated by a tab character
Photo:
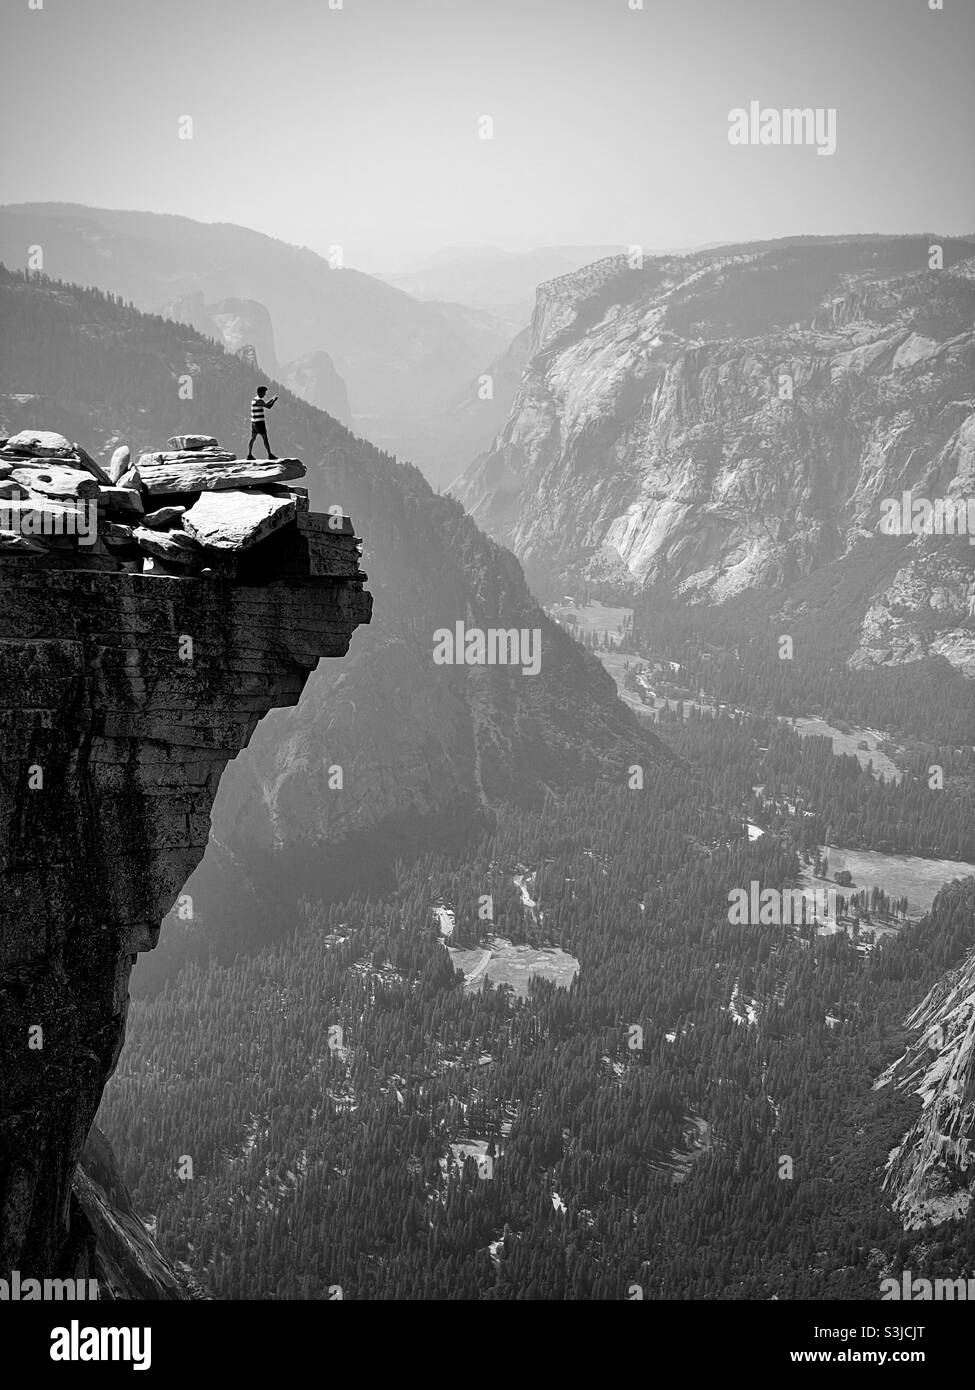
692	1117
813	797
734	654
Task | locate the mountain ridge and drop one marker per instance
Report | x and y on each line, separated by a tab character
420	745
403	361
648	448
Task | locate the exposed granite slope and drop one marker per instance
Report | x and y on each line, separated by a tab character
731	421
928	1174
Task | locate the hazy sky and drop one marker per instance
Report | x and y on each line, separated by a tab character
359	125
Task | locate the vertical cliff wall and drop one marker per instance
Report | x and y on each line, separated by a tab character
122	697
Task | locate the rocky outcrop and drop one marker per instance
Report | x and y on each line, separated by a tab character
926	610
123	694
127	1261
207	508
732	420
313	378
929	1174
238	324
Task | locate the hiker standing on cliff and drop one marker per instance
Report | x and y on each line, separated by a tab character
258	424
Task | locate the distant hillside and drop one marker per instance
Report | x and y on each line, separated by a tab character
502	282
425	749
403	362
238	324
728	422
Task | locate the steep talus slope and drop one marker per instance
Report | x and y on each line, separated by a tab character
654	441
419	745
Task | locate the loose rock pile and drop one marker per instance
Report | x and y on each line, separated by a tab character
190	508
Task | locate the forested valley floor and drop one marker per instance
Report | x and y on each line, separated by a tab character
693	1115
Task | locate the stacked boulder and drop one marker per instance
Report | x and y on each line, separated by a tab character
204	505
54	496
190	508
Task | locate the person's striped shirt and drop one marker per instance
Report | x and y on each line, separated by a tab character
257	410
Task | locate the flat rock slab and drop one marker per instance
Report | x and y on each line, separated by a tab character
187	456
160	478
44	518
176	547
114	533
44	443
299	494
192	441
53	480
120	499
326	523
236	520
162	517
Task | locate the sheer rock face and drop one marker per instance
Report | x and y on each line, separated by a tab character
122	697
929	1174
732	420
926	610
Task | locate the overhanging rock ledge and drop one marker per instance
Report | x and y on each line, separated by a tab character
123	694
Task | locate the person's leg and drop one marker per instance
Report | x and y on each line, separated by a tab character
250	442
267	442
